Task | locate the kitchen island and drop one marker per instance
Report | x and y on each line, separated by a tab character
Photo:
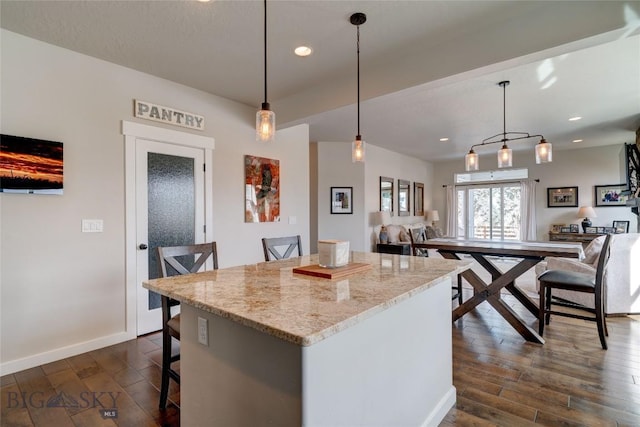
287	349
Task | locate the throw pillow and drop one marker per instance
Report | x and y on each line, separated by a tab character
592	252
431	232
404	236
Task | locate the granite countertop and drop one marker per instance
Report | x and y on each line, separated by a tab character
303	309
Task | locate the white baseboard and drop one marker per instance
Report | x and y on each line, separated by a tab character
17	365
441	410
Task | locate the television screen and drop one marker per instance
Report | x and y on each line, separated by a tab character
29	165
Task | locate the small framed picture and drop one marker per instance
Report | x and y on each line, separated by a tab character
591	230
609	230
555	228
610	195
565	229
621	226
562	197
341	200
574	228
600	230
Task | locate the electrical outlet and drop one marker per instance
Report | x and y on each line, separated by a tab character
203	331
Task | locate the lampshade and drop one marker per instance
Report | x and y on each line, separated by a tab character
432	216
265	123
381	218
357	149
504	157
471	161
586	212
544	153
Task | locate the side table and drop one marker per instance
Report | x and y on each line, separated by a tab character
399	248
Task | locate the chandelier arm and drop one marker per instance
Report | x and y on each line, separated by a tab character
488	141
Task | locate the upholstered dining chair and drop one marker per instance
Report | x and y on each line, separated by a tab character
281	247
176	260
575	282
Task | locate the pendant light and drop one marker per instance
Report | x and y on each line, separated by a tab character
265	118
358	145
505	157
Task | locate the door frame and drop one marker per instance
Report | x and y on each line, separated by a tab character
132	131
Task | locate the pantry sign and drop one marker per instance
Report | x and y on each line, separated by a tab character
159	113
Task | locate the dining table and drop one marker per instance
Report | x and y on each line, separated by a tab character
529	253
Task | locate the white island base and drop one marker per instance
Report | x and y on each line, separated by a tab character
391	369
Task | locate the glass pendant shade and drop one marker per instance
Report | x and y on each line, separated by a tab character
544	152
265	124
471	161
504	157
357	150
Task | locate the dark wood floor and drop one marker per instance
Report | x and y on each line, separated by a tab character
500	379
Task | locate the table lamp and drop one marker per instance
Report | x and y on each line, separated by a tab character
586	212
381	218
433	216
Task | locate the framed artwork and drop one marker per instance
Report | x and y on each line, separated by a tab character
562	197
30	166
591	230
610	195
555	228
621	226
574	228
386	194
261	189
341	200
418	199
565	230
609	230
404	197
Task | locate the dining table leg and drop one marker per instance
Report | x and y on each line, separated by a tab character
491	293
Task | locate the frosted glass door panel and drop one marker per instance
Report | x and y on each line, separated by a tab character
171	208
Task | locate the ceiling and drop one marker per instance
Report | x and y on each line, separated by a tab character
428	69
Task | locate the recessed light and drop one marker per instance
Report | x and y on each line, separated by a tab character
577	140
444	139
303	51
573	119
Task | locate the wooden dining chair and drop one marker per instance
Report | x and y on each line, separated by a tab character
281	247
176	260
576	282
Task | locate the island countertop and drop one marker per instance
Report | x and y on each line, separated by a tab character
303	309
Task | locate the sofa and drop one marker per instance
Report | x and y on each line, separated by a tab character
622	273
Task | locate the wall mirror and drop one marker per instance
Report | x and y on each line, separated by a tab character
404	188
418	199
386	194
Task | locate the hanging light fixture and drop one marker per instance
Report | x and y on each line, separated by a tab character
505	157
358	145
265	118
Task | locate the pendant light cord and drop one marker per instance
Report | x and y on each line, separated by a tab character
504	111
265	51
358	54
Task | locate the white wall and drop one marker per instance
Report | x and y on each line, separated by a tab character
382	162
62	291
584	168
336	169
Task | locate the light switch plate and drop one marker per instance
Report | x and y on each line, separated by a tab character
92	226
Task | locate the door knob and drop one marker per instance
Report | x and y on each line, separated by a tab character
143	246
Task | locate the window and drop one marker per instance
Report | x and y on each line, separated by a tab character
491	211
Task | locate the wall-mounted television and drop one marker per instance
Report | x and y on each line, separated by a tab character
29	165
